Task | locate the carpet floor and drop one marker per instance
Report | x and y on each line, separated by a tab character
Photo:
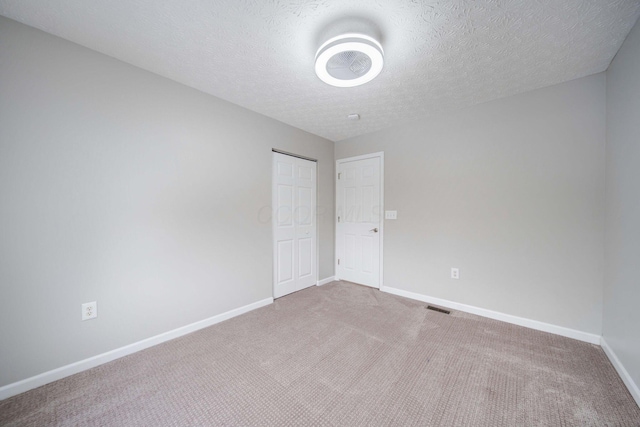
343	355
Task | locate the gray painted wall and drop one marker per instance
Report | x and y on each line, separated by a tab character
120	186
512	193
621	324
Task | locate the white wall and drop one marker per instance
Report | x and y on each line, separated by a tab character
120	186
621	325
512	193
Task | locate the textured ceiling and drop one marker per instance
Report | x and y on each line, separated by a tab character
439	55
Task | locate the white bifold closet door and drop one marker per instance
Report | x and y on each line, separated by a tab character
294	224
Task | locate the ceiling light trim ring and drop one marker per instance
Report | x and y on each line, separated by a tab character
351	36
344	43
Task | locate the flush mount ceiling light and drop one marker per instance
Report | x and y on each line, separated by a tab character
349	60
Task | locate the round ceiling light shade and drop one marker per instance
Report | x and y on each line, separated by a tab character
349	60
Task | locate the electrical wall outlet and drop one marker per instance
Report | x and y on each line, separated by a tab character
89	310
455	273
390	214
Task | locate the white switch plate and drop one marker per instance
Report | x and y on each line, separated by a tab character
455	273
89	310
390	214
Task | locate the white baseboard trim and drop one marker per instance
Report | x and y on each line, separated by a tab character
325	281
521	321
82	365
626	378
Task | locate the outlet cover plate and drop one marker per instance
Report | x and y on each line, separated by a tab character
89	310
455	273
390	214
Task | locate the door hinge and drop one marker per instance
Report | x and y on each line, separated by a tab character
339	174
338	219
338	261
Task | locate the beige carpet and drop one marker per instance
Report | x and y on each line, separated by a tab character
343	355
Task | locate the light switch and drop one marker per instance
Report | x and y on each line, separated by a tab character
390	214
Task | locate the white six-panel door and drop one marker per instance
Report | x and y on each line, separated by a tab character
294	224
358	223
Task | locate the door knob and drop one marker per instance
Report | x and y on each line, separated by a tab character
375	230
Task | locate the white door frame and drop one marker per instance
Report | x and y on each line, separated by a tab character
315	214
380	155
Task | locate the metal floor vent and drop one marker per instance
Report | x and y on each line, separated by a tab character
438	309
